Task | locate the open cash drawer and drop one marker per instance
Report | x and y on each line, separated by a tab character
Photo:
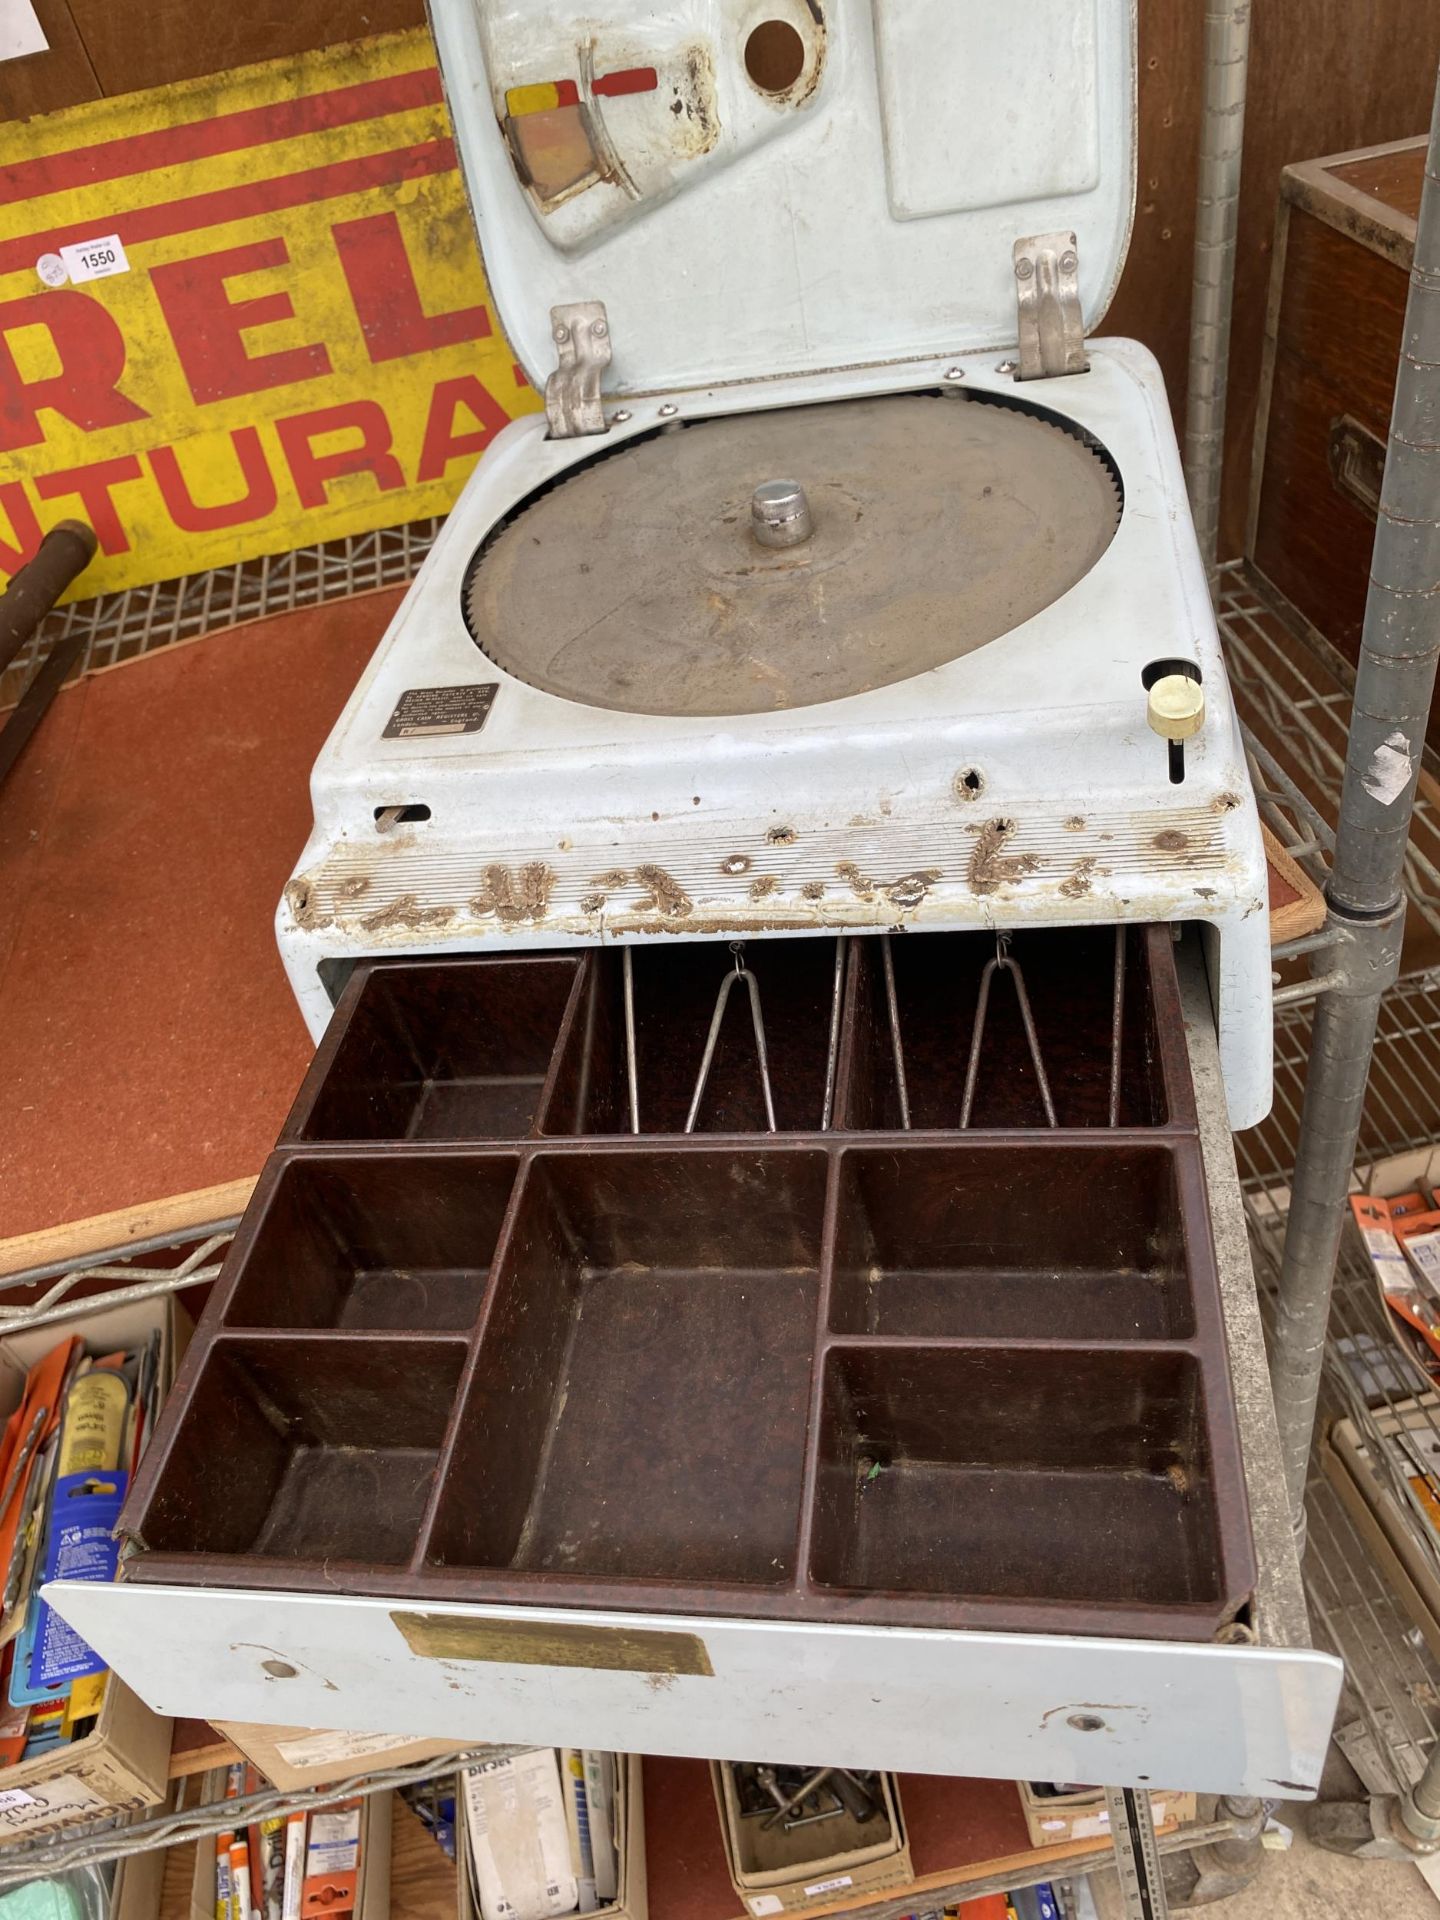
860	1281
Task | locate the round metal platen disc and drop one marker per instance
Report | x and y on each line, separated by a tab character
939	524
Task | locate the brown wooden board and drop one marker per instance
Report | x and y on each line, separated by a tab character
1337	310
151	1045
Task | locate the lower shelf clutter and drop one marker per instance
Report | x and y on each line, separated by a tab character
550	1832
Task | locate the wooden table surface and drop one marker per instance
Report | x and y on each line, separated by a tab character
150	1044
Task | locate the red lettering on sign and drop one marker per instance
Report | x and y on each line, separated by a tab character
311	470
386	298
91	351
92	484
189	516
208	327
24	525
442	443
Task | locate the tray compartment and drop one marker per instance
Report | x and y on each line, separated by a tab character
1069	979
1034	1474
639	1403
306	1449
438	1050
675	995
1080	1242
372	1243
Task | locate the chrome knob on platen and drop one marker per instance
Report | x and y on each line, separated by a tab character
780	514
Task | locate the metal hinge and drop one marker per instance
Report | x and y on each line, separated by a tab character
1047	298
581	333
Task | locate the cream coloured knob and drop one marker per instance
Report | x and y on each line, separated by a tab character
1176	707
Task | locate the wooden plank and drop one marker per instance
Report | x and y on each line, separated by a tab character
1393	174
1321	82
1337	346
155	42
422	1880
196	1747
1297	906
76	1241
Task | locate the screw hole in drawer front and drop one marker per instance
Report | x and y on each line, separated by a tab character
1027	1473
374	1243
640	1400
1011	1241
307	1450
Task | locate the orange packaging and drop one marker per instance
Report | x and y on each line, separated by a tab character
332	1860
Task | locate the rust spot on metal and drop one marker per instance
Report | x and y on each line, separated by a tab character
763	884
666	895
859	885
990	866
1075	823
737	863
514	894
300	898
863	820
1205	893
406	911
1077	882
352	888
813	890
697	122
911	888
782	836
1171	840
614	877
592	903
1227	802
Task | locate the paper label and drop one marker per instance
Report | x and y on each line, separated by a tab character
95	259
763	1903
334	1845
829	1886
519	1841
20	30
51	1801
317	1749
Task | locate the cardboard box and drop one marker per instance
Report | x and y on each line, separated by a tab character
632	1896
125	1761
372	1893
770	1877
293	1757
1055	1819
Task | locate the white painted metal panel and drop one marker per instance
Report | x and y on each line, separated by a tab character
1009	115
734	234
1052	714
1251	1720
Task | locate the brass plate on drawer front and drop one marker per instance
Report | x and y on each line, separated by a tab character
543	1643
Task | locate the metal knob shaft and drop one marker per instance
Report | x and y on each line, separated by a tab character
780	514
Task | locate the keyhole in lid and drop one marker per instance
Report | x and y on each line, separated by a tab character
774	56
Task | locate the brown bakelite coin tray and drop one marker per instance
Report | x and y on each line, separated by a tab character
496	1327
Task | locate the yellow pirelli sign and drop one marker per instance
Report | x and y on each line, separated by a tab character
242	315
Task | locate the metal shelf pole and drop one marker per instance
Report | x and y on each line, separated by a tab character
1393	687
1217	213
